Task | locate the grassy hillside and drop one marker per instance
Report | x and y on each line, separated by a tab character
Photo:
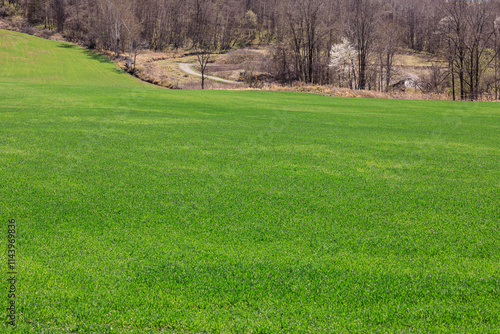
28	59
147	210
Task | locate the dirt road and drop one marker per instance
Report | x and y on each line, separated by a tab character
187	68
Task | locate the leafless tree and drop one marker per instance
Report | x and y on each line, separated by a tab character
203	56
470	30
306	31
133	30
387	40
360	29
59	9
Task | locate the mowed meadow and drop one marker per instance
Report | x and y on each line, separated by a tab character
145	210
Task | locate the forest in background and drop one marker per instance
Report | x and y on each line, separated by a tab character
344	43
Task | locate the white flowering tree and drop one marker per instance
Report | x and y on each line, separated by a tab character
343	58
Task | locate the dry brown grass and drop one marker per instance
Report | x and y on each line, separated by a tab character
413	59
232	64
241	56
345	92
209	84
159	68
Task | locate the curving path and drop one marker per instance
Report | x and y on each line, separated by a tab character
187	68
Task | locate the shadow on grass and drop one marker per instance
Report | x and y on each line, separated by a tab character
66	46
102	59
92	55
95	56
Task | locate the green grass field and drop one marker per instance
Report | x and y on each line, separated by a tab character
141	209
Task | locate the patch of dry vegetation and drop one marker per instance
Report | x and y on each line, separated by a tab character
162	68
238	64
345	92
158	68
411	59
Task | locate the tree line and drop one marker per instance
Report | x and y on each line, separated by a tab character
347	43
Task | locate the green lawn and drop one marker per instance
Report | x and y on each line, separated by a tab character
142	210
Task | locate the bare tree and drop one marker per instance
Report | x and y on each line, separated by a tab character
470	30
306	31
360	28
59	9
134	29
388	35
114	12
203	56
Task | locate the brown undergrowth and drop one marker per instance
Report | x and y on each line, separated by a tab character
20	24
345	92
